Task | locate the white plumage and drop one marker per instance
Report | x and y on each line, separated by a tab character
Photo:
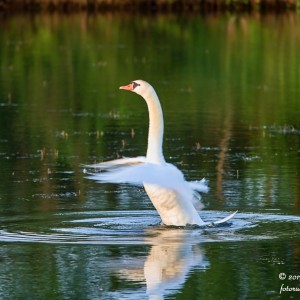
174	198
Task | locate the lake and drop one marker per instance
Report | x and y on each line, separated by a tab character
229	87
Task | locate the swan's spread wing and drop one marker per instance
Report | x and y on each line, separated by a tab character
121	162
137	171
199	185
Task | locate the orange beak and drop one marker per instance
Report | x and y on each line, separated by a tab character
128	87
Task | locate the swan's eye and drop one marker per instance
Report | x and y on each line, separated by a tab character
134	84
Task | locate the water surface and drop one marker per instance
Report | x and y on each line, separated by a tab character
229	87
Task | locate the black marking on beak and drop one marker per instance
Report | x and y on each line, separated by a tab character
134	84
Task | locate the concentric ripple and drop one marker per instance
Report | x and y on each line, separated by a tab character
137	227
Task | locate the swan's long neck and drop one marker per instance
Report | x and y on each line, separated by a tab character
156	128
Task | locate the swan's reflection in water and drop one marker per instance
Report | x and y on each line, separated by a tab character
173	253
83	255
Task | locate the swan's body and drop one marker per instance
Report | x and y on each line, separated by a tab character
173	197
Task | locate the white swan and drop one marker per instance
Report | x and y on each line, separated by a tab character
173	197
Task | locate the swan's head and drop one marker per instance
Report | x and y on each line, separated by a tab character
140	87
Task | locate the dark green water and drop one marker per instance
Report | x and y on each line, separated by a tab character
230	90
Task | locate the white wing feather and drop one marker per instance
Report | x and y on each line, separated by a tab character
137	171
117	163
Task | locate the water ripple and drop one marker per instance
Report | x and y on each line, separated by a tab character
139	227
